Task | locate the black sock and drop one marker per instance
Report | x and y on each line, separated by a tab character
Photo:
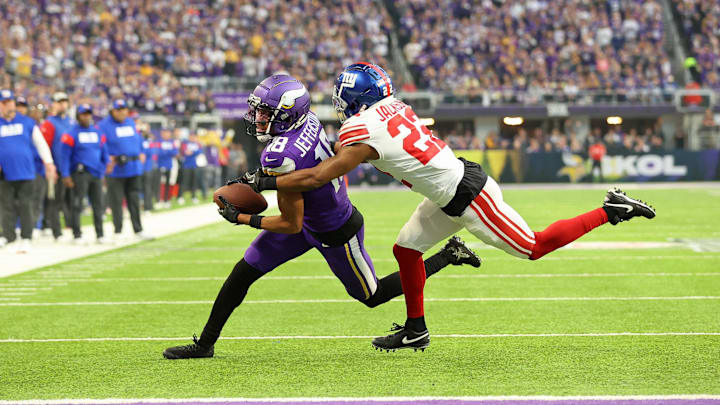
416	324
611	212
390	286
436	262
230	296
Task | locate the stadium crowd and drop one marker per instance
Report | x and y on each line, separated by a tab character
533	47
569	138
142	50
50	164
700	22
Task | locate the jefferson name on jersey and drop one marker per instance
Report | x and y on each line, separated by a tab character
327	207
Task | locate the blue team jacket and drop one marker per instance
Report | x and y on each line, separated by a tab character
150	150
86	146
123	139
189	152
17	152
166	151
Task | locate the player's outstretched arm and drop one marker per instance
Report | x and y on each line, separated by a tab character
347	158
290	220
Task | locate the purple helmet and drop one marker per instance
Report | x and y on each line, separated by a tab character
276	105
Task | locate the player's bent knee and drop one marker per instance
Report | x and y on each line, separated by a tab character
402	252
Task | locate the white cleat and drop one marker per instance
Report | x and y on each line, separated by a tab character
24	246
144	236
79	241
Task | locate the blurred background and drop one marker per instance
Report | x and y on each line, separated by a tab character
521	76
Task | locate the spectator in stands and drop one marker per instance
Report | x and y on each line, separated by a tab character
19	138
709	119
597	152
657	143
491	141
680	139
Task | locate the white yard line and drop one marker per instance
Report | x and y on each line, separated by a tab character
329	301
363	400
46	253
338	337
232	261
331	277
604	245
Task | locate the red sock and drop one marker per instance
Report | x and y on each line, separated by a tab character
412	277
562	232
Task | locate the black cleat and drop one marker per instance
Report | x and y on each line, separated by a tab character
626	207
191	351
402	339
460	254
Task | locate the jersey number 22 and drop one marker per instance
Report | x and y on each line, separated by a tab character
417	139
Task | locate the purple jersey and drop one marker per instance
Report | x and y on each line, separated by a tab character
327	207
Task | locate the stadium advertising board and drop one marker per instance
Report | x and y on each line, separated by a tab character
511	166
231	105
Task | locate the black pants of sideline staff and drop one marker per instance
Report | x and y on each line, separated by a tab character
53	208
15	200
127	188
87	185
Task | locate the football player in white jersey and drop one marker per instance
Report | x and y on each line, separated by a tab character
385	132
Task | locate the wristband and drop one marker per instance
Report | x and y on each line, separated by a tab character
255	221
267	183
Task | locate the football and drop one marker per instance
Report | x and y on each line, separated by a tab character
241	196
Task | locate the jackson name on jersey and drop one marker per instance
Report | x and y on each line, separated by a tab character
408	150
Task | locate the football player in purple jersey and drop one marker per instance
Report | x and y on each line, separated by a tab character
322	219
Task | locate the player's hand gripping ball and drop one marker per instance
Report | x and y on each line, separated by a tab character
241	197
256	180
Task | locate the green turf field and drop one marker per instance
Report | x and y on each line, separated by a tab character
571	305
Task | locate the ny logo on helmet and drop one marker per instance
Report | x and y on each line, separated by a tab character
348	80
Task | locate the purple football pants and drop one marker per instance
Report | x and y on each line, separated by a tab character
350	263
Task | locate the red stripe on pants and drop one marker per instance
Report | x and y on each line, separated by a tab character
485	193
412	278
504	227
504	239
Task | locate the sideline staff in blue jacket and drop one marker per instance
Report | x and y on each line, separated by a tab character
84	157
19	138
125	147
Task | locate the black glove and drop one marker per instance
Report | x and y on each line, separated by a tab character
259	181
229	211
234	181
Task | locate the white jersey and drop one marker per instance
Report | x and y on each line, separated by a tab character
408	150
